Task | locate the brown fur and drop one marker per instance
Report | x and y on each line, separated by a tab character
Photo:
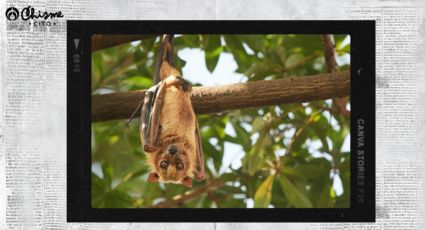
178	124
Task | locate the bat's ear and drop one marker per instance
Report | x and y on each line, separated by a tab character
200	176
187	181
153	177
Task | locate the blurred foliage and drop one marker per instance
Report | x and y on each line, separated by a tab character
292	154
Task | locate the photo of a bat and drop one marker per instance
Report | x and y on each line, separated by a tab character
272	112
169	130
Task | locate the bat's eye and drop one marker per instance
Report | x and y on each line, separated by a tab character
172	150
163	164
179	166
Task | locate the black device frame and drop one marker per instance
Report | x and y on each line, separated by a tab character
362	200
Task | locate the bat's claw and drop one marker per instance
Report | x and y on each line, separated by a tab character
200	176
148	148
180	82
186	86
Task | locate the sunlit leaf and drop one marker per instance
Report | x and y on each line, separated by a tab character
263	195
254	158
258	125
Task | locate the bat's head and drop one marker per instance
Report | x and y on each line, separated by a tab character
173	164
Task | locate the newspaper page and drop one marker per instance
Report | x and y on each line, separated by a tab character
33	98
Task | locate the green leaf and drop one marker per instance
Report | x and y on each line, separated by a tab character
138	55
187	41
233	203
312	171
197	202
97	69
293	173
293	60
180	63
281	53
229	176
255	42
211	59
231	189
338	43
279	199
258	125
104	197
254	158
242	135
97	190
116	199
234	43
325	199
263	195
305	44
97	183
212	151
212	49
107	171
338	137
235	46
137	82
263	69
295	195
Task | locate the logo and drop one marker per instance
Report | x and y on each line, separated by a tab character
37	17
12	13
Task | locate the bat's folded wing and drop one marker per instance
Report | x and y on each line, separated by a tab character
200	170
146	114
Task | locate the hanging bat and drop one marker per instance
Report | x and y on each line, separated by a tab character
169	130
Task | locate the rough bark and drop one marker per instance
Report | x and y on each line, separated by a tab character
207	100
339	104
329	50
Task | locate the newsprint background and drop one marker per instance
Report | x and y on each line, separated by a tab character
33	99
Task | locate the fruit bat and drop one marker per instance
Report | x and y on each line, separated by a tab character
169	130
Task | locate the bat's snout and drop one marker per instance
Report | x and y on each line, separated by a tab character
172	150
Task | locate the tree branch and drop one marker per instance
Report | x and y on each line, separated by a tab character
102	41
212	185
206	100
339	104
329	50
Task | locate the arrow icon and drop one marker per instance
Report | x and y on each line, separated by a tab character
76	42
